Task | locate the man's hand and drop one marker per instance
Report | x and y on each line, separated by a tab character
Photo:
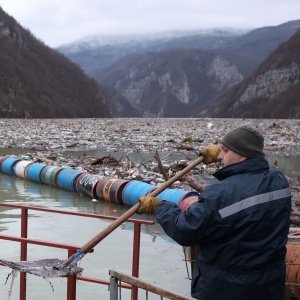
210	153
148	205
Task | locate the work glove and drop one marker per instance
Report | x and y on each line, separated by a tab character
148	204
210	154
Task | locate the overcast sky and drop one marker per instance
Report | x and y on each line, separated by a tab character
57	22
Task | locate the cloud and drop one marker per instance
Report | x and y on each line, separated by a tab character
57	22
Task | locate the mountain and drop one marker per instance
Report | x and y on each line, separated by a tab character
175	75
39	82
173	83
96	53
176	83
120	107
272	91
256	45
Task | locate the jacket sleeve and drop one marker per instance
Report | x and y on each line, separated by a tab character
189	227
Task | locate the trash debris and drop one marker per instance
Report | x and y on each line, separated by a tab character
125	148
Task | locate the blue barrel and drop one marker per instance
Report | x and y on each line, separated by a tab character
67	179
49	175
86	184
33	171
135	189
175	195
8	165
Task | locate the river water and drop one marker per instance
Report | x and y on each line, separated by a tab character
161	259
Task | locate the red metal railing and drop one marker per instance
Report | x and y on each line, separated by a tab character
71	280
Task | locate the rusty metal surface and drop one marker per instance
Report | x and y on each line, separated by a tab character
44	268
293	270
147	286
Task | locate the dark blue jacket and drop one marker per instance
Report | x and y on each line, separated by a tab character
239	227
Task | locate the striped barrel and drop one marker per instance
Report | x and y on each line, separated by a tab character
100	187
49	175
115	191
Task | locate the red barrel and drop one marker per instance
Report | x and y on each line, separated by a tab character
100	186
293	270
115	192
106	189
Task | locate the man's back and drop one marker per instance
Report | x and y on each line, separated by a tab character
240	228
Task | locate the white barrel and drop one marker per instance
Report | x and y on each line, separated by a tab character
21	166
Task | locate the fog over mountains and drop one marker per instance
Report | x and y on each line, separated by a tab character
219	73
178	74
95	53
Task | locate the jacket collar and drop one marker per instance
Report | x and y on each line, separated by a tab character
247	166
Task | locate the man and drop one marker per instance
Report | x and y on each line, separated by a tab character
239	225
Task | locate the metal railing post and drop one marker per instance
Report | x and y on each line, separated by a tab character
23	254
71	282
113	288
136	257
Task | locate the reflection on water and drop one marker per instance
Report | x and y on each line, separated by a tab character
114	252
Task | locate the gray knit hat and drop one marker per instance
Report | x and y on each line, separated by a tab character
246	141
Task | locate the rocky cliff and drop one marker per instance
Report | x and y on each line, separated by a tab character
176	83
273	91
173	83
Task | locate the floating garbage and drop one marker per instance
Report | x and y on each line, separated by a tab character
99	188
